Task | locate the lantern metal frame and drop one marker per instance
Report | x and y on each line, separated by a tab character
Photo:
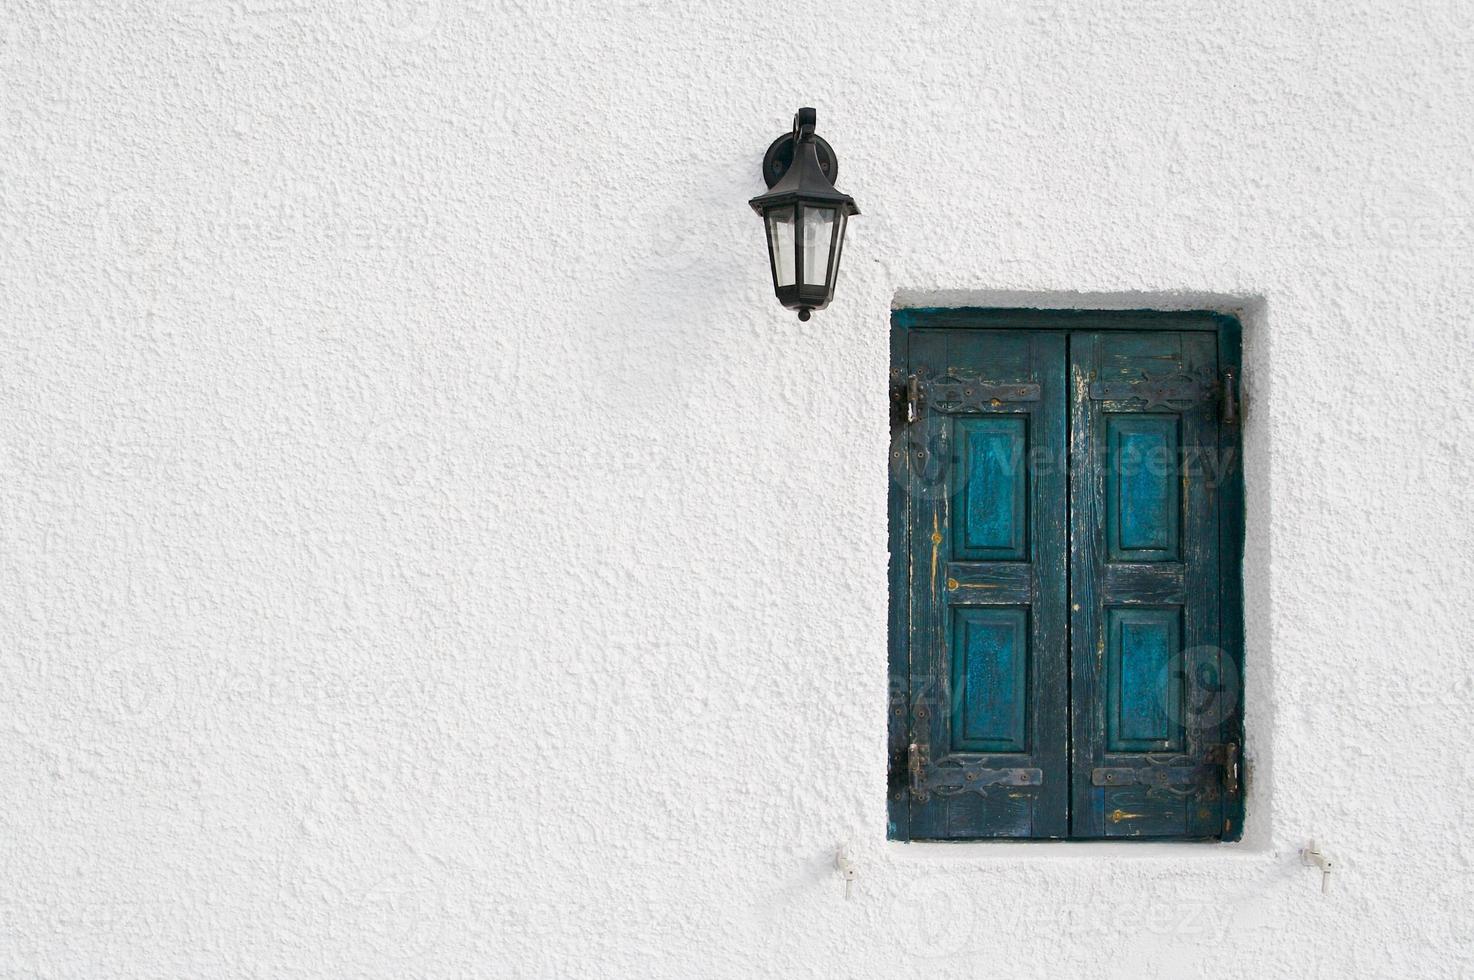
799	169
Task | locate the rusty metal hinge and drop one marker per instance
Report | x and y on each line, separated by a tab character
1227	756
949	779
1217	760
967	392
913	399
916	764
961	392
1231	409
1153	777
1177	391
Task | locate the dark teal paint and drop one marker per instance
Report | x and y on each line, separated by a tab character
993	519
951	591
1229	484
1155	558
998	318
898	824
990	677
1144	696
1104	581
1143	494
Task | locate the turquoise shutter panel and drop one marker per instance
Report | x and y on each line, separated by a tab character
986	642
1154	685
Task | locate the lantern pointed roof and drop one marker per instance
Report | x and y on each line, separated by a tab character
804	181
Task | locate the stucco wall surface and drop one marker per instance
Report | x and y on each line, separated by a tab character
426	547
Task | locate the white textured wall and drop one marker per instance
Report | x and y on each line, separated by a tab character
427	548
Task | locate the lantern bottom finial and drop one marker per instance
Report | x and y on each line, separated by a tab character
803	313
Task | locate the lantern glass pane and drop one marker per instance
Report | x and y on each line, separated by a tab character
818	232
780	243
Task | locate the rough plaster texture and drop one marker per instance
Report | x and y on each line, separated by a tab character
427	548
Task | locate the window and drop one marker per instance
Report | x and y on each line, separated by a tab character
1066	543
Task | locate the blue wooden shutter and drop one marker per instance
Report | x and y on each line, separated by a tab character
1154	688
987	755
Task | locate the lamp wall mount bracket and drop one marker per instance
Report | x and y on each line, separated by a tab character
779	156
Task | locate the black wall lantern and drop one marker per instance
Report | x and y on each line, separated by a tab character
804	215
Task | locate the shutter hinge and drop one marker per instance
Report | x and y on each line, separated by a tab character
1217	760
1231	409
1176	391
916	764
1231	780
1150	776
1230	758
913	399
950	778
